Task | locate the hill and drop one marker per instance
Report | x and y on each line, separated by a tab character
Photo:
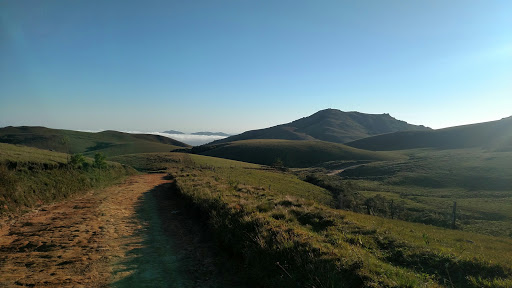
329	125
287	230
211	134
109	143
30	177
291	153
173	132
494	135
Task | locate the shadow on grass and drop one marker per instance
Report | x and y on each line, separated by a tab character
155	262
175	249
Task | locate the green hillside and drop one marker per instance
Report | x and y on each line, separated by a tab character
495	135
329	125
423	187
109	143
30	177
289	235
291	153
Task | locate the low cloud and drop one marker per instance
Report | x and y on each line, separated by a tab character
193	140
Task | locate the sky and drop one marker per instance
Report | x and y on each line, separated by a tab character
233	66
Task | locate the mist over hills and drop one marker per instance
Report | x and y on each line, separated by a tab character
330	125
494	135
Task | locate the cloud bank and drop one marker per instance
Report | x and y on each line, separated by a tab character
194	140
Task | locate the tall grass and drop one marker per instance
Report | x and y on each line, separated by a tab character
288	239
30	177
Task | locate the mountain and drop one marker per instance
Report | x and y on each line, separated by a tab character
109	143
329	125
173	132
494	135
211	134
292	153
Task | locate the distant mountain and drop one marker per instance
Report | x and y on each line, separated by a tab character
495	135
109	143
329	125
211	134
173	132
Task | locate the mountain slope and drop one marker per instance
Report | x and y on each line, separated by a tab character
329	125
495	135
291	153
109	143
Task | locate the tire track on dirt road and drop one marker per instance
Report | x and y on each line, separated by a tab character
121	236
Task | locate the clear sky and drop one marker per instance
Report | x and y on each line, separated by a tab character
233	65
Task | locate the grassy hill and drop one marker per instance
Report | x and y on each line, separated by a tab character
109	143
329	125
289	235
30	177
495	135
291	153
423	187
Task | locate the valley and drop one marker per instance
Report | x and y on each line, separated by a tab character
279	212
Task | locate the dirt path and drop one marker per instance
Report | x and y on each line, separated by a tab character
128	235
336	172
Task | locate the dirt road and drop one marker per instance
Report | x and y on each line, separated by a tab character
128	235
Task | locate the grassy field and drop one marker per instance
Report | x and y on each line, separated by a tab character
109	143
426	184
289	235
31	177
292	153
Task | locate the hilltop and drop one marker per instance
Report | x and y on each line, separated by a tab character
494	135
329	125
109	143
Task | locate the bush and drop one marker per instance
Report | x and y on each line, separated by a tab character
99	161
77	161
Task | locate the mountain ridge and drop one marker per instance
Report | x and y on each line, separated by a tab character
495	135
330	125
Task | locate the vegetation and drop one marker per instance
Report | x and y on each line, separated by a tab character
423	188
329	125
291	153
109	143
495	135
289	239
31	176
345	218
289	234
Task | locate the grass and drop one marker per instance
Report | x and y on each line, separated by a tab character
494	135
110	143
289	236
30	177
293	153
429	181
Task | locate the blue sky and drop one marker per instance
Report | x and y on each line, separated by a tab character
237	65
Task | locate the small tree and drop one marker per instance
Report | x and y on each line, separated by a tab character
77	161
64	141
99	161
278	164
